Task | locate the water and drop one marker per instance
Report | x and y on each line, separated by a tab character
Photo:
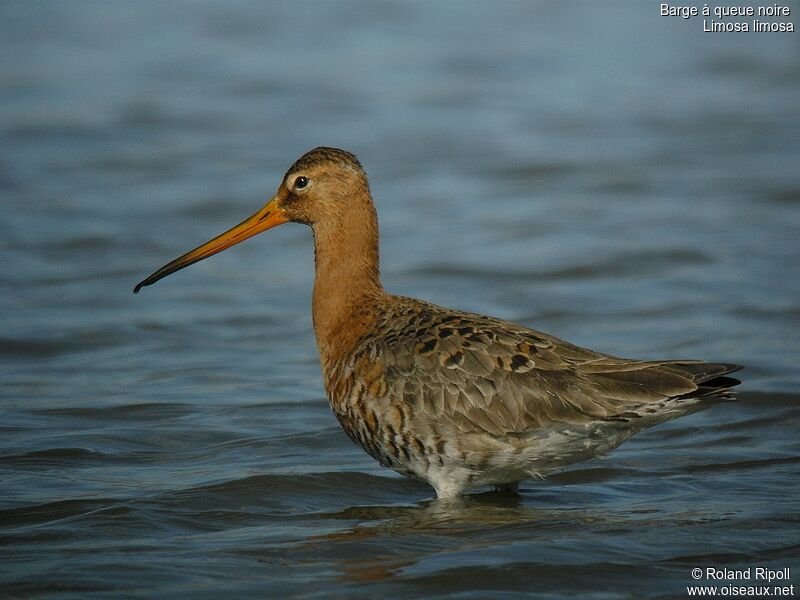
596	171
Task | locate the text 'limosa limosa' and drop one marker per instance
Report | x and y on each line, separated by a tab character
456	399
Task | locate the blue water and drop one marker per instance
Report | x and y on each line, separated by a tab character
593	170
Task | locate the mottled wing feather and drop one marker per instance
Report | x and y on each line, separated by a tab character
479	374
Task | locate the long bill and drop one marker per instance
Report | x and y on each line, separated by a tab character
268	217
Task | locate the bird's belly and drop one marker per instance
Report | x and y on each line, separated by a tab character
453	462
537	453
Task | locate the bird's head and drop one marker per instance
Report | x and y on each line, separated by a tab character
322	188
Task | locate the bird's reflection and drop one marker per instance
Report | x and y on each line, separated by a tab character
404	535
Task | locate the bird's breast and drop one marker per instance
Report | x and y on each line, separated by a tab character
374	417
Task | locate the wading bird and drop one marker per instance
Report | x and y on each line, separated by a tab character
456	399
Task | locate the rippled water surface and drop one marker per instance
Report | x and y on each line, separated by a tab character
592	170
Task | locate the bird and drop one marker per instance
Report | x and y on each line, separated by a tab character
456	399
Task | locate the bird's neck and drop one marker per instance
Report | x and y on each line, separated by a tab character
347	285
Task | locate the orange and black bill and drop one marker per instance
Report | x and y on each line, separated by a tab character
268	217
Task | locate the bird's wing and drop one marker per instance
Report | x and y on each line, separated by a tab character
477	373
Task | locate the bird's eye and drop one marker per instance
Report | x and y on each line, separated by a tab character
300	182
